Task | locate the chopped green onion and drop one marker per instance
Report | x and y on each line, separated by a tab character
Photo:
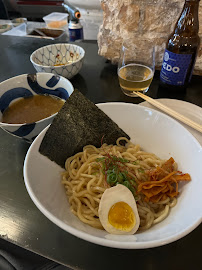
114	169
141	170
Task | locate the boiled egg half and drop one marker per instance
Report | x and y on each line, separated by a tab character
118	211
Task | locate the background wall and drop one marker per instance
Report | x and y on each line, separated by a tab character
142	21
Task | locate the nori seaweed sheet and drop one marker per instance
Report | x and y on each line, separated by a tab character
79	123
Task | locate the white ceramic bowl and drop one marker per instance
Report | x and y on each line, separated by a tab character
69	55
156	133
29	85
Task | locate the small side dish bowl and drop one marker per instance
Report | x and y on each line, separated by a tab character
60	59
27	85
4	28
18	21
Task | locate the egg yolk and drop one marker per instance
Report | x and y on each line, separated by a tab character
121	217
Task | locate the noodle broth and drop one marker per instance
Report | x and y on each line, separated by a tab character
32	109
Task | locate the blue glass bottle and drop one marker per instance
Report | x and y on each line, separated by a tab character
181	49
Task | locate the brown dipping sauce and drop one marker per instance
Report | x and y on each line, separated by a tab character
32	109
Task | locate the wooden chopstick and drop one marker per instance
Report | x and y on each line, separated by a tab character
171	112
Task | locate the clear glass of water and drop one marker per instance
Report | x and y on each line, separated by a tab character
136	68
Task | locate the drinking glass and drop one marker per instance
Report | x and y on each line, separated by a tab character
136	68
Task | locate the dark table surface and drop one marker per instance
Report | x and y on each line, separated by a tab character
24	225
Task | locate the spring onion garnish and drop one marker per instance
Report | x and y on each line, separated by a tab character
115	170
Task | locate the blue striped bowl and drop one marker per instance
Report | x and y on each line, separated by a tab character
27	85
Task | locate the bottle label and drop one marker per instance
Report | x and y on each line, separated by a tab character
174	68
75	34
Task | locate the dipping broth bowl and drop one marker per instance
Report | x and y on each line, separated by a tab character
27	85
60	59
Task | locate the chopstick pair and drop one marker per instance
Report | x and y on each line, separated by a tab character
171	112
